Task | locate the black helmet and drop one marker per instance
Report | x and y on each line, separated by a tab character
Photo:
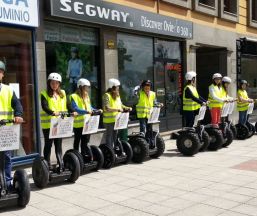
74	50
146	83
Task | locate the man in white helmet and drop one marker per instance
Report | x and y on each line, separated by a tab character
10	109
112	105
191	99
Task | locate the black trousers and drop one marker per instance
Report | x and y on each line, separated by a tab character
48	146
83	140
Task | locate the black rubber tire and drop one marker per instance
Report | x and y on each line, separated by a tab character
251	129
22	186
160	145
80	157
216	139
194	144
140	149
98	157
256	126
234	130
229	138
71	162
205	141
242	132
109	156
128	150
40	172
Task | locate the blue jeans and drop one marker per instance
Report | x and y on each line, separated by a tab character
243	117
8	167
147	129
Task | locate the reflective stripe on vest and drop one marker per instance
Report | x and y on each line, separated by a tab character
82	104
188	103
242	106
218	93
6	111
108	116
56	105
145	104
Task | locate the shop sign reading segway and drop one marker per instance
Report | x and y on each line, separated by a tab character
61	127
121	121
91	124
9	137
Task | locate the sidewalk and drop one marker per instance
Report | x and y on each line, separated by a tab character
210	183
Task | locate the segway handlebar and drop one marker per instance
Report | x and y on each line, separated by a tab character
5	122
64	114
96	112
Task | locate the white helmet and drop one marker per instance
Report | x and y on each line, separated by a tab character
113	83
216	75
83	82
55	76
190	75
226	79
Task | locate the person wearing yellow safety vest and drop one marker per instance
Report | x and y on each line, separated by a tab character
10	109
224	87
53	102
191	99
216	98
112	105
80	102
243	102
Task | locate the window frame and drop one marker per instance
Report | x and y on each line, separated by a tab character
182	3
251	22
228	15
213	11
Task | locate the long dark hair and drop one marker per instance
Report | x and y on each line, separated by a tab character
111	90
80	92
50	91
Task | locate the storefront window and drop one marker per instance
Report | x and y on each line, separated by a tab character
135	59
254	10
230	6
210	3
16	52
61	41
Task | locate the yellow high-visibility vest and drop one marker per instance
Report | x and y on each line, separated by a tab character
56	105
82	104
242	106
145	104
214	103
109	116
6	110
188	103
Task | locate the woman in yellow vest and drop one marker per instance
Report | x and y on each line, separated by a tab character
191	99
216	98
81	103
53	102
243	102
112	105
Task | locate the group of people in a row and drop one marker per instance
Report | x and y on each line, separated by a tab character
218	95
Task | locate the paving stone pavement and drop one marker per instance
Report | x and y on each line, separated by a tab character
220	183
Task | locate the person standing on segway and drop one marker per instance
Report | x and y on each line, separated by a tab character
53	102
112	105
80	102
191	99
11	109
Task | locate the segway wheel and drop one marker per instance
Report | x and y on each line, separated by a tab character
140	149
251	129
160	145
80	158
71	162
234	130
229	138
205	141
128	150
22	186
242	132
216	139
98	156
188	144
109	156
40	172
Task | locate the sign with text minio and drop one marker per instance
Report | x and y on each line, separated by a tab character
19	12
111	14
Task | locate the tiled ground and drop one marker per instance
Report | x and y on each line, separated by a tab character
210	183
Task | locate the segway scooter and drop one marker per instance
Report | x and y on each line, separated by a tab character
231	125
20	193
149	144
67	167
86	164
121	153
191	140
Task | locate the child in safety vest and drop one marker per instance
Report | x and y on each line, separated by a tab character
81	103
191	99
112	105
53	102
243	102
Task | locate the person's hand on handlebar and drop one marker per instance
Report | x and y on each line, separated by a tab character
56	113
204	103
74	114
18	120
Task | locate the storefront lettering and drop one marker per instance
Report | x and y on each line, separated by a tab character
15	15
93	11
151	23
16	2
